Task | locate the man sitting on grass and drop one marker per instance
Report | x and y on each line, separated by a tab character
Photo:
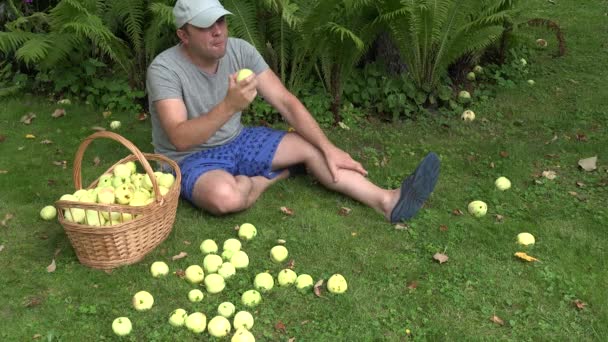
196	104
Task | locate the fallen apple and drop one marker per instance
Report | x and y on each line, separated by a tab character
243	319
502	183
122	326
525	239
251	298
208	247
196	322
142	301
278	253
226	309
195	295
464	96
247	231
219	326
468	115
471	76
240	260
337	284
242	335
227	270
214	283
159	269
178	317
304	283
478	69
48	213
287	277
227	254
232	245
263	282
212	262
194	274
478	208
531	82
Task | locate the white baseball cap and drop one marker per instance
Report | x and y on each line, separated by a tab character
199	13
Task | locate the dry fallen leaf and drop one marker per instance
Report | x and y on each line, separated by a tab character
2	138
440	257
96	161
108	271
443	228
180	273
504	154
317	288
579	304
343	126
7	217
492	165
581	137
526	257
181	255
549	174
36	336
106	114
344	211
401	226
46	142
291	264
287	211
580	184
59	112
142	116
186	242
457	212
27	118
293	339
412	285
62	163
52	267
499	217
1	248
588	164
280	327
32	301
497	320
30	136
281	241
552	140
2	172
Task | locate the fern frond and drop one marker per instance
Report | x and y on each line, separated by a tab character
243	21
12	40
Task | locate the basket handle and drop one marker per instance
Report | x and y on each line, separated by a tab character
77	174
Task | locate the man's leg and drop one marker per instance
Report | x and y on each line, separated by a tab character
219	192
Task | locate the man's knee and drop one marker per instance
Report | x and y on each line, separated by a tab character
222	199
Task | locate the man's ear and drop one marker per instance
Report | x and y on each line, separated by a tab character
182	34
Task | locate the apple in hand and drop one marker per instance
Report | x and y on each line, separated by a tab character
243	74
143	301
195	295
240	260
178	317
208	247
337	284
159	269
214	283
196	322
251	298
194	274
278	253
263	282
247	231
219	326
226	309
243	319
122	326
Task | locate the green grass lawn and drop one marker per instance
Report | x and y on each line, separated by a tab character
394	283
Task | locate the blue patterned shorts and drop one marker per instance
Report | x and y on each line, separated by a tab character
249	154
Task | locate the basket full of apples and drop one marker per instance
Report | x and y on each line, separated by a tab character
122	215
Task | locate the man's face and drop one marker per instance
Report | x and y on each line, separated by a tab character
206	43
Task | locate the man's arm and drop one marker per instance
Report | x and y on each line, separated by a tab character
294	112
184	133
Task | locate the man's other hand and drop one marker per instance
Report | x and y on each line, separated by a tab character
338	159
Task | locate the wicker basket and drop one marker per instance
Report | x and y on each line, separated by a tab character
127	241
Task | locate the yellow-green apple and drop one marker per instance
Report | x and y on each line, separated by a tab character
214	283
477	208
502	183
227	270
226	309
159	269
78	193
477	69
178	317
278	253
166	179
232	245
464	96
304	283
123	194
247	231
471	76
105	180
196	322
208	246
251	298
242	335
194	274
531	82
468	115
263	282
212	262
287	277
122	326
337	284
227	254
243	74
137	180
243	319
195	295
122	171
239	259
74	215
219	326
525	239
48	213
132	166
143	301
94	218
115	125
105	195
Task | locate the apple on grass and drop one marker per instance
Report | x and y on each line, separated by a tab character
212	262
226	309
208	247
240	260
48	213
194	274
477	208
227	254
304	283
178	317
468	115
287	277
464	96
263	282
502	183
471	76
247	231
251	298
278	253
214	283
525	239
195	295
143	301
337	284
227	270
243	319
242	335
122	326
219	326
114	125
232	245
477	69
196	322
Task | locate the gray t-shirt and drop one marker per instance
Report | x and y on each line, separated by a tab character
171	75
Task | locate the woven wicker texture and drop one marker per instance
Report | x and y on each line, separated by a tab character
139	229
